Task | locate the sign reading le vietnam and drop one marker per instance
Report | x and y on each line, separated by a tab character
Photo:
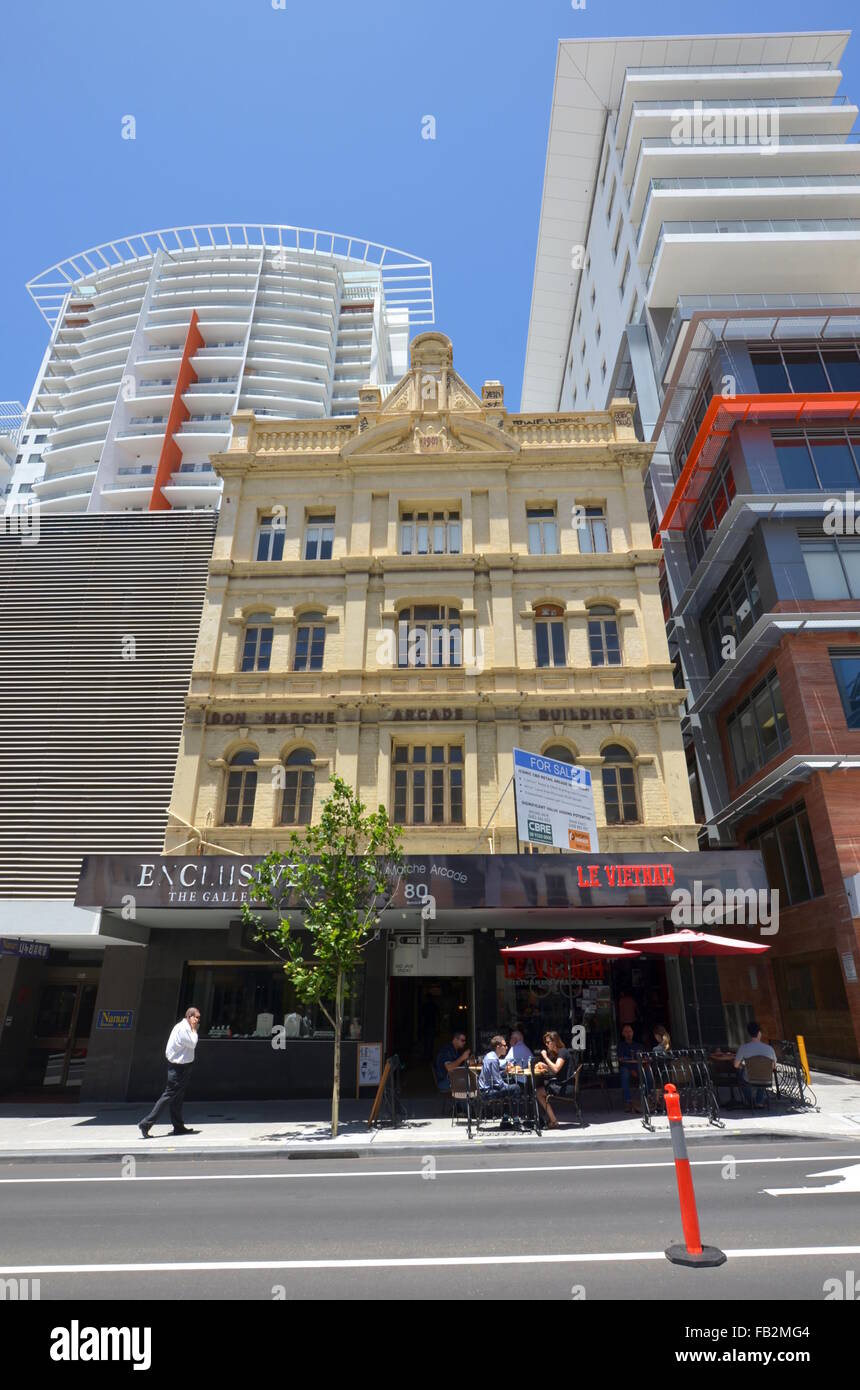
555	803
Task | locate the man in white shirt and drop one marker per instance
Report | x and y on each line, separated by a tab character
180	1055
518	1054
754	1048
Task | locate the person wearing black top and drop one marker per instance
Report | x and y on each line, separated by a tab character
555	1068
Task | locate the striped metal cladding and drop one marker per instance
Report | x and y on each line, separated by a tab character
89	740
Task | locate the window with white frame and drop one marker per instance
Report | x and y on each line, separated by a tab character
310	642
429	634
241	788
543	530
430	532
297	802
428	784
319	537
620	802
270	538
550	646
593	532
257	644
603	643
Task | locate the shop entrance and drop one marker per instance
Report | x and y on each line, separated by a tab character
422	1015
61	1031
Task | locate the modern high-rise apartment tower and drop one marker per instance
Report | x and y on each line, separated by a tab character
699	251
158	338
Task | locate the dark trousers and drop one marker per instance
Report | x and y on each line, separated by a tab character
173	1094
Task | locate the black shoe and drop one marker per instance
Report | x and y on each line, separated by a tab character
185	1131
506	1123
144	1129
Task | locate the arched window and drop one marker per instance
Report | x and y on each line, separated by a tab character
257	646
310	643
298	800
550	646
619	786
603	643
241	788
558	753
429	634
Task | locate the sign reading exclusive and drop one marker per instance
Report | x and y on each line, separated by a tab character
554	803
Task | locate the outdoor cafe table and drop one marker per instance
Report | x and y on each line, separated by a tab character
523	1095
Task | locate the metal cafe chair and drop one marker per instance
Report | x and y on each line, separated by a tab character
463	1086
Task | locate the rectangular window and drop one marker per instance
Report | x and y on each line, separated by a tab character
542	530
319	537
788	851
811	463
430	533
603	643
428	785
846	669
833	566
270	538
593	532
734	611
758	728
240	1000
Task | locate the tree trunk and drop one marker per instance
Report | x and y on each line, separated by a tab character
338	1029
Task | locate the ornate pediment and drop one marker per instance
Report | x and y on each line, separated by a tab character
431	410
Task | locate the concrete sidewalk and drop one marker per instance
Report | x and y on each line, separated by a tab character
248	1129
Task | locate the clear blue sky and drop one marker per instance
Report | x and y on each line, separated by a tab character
310	115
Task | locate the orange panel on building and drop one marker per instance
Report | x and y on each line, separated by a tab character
171	455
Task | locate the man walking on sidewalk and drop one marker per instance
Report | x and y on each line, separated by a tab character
180	1056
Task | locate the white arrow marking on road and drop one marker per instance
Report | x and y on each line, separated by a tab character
850	1182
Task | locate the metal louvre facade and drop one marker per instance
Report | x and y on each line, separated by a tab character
98	625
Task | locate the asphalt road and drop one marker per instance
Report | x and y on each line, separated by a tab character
566	1225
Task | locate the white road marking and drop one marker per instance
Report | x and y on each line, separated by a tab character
417	1262
849	1182
420	1172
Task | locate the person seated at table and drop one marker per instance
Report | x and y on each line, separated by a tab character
662	1042
492	1081
754	1048
554	1068
453	1054
518	1053
627	1053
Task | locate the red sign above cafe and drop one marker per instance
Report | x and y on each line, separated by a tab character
591	875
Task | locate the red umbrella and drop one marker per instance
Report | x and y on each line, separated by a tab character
696	943
568	947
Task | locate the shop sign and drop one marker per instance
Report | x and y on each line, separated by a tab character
37	950
114	1018
552	968
554	803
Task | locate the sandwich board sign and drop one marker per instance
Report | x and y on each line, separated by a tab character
554	803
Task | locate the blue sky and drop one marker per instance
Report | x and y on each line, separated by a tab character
310	115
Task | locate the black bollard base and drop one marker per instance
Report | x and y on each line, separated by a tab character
709	1258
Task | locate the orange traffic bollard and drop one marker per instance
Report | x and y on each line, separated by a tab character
692	1252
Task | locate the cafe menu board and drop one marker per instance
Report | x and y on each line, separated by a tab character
368	1065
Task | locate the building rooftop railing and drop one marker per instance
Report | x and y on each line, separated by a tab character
407	279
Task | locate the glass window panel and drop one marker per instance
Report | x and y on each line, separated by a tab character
455	754
847	672
824	569
422	533
406	540
811	856
400	793
454	538
834	462
418	793
850	554
766	722
769	371
805	371
772	862
542	643
326	542
792	858
843	368
456	776
795	465
550	538
558	652
779	710
534	538
437	808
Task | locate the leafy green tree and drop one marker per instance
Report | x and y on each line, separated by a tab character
339	874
